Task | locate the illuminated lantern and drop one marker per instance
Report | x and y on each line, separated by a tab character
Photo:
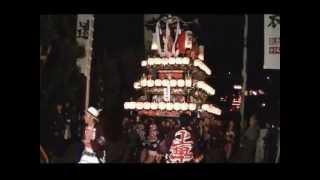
179	60
144	63
136	85
192	106
157	82
169	106
188	82
177	106
139	105
201	52
132	105
172	60
180	83
157	61
165	82
150	83
150	61
184	106
162	105
143	82
154	105
186	60
146	105
173	82
205	107
196	63
200	85
212	91
165	61
126	105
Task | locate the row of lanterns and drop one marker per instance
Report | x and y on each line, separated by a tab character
163	83
178	61
202	66
170	106
166	61
160	106
173	83
211	109
204	86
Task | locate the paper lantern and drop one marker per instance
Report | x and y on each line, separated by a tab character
139	105
179	60
146	105
188	82
169	106
192	106
172	60
157	61
186	60
177	106
136	85
205	107
201	52
126	105
157	82
200	85
173	82
143	83
180	83
150	83
165	82
165	61
154	105
184	106
144	63
132	105
162	105
150	61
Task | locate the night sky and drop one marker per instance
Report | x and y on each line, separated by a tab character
222	36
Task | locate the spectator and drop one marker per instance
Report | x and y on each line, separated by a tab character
57	131
230	139
271	139
249	141
261	143
67	119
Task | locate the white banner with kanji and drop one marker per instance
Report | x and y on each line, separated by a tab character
84	36
271	41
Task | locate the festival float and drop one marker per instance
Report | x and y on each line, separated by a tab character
173	81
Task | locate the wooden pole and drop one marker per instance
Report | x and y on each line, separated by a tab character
244	71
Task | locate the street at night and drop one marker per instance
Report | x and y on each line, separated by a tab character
160	88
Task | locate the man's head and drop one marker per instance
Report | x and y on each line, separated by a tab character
253	121
59	108
91	115
67	104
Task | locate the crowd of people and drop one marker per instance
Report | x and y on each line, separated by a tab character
148	139
215	141
65	128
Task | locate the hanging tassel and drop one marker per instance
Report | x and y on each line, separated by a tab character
178	32
166	41
154	45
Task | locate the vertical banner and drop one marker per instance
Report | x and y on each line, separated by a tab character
271	41
84	34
